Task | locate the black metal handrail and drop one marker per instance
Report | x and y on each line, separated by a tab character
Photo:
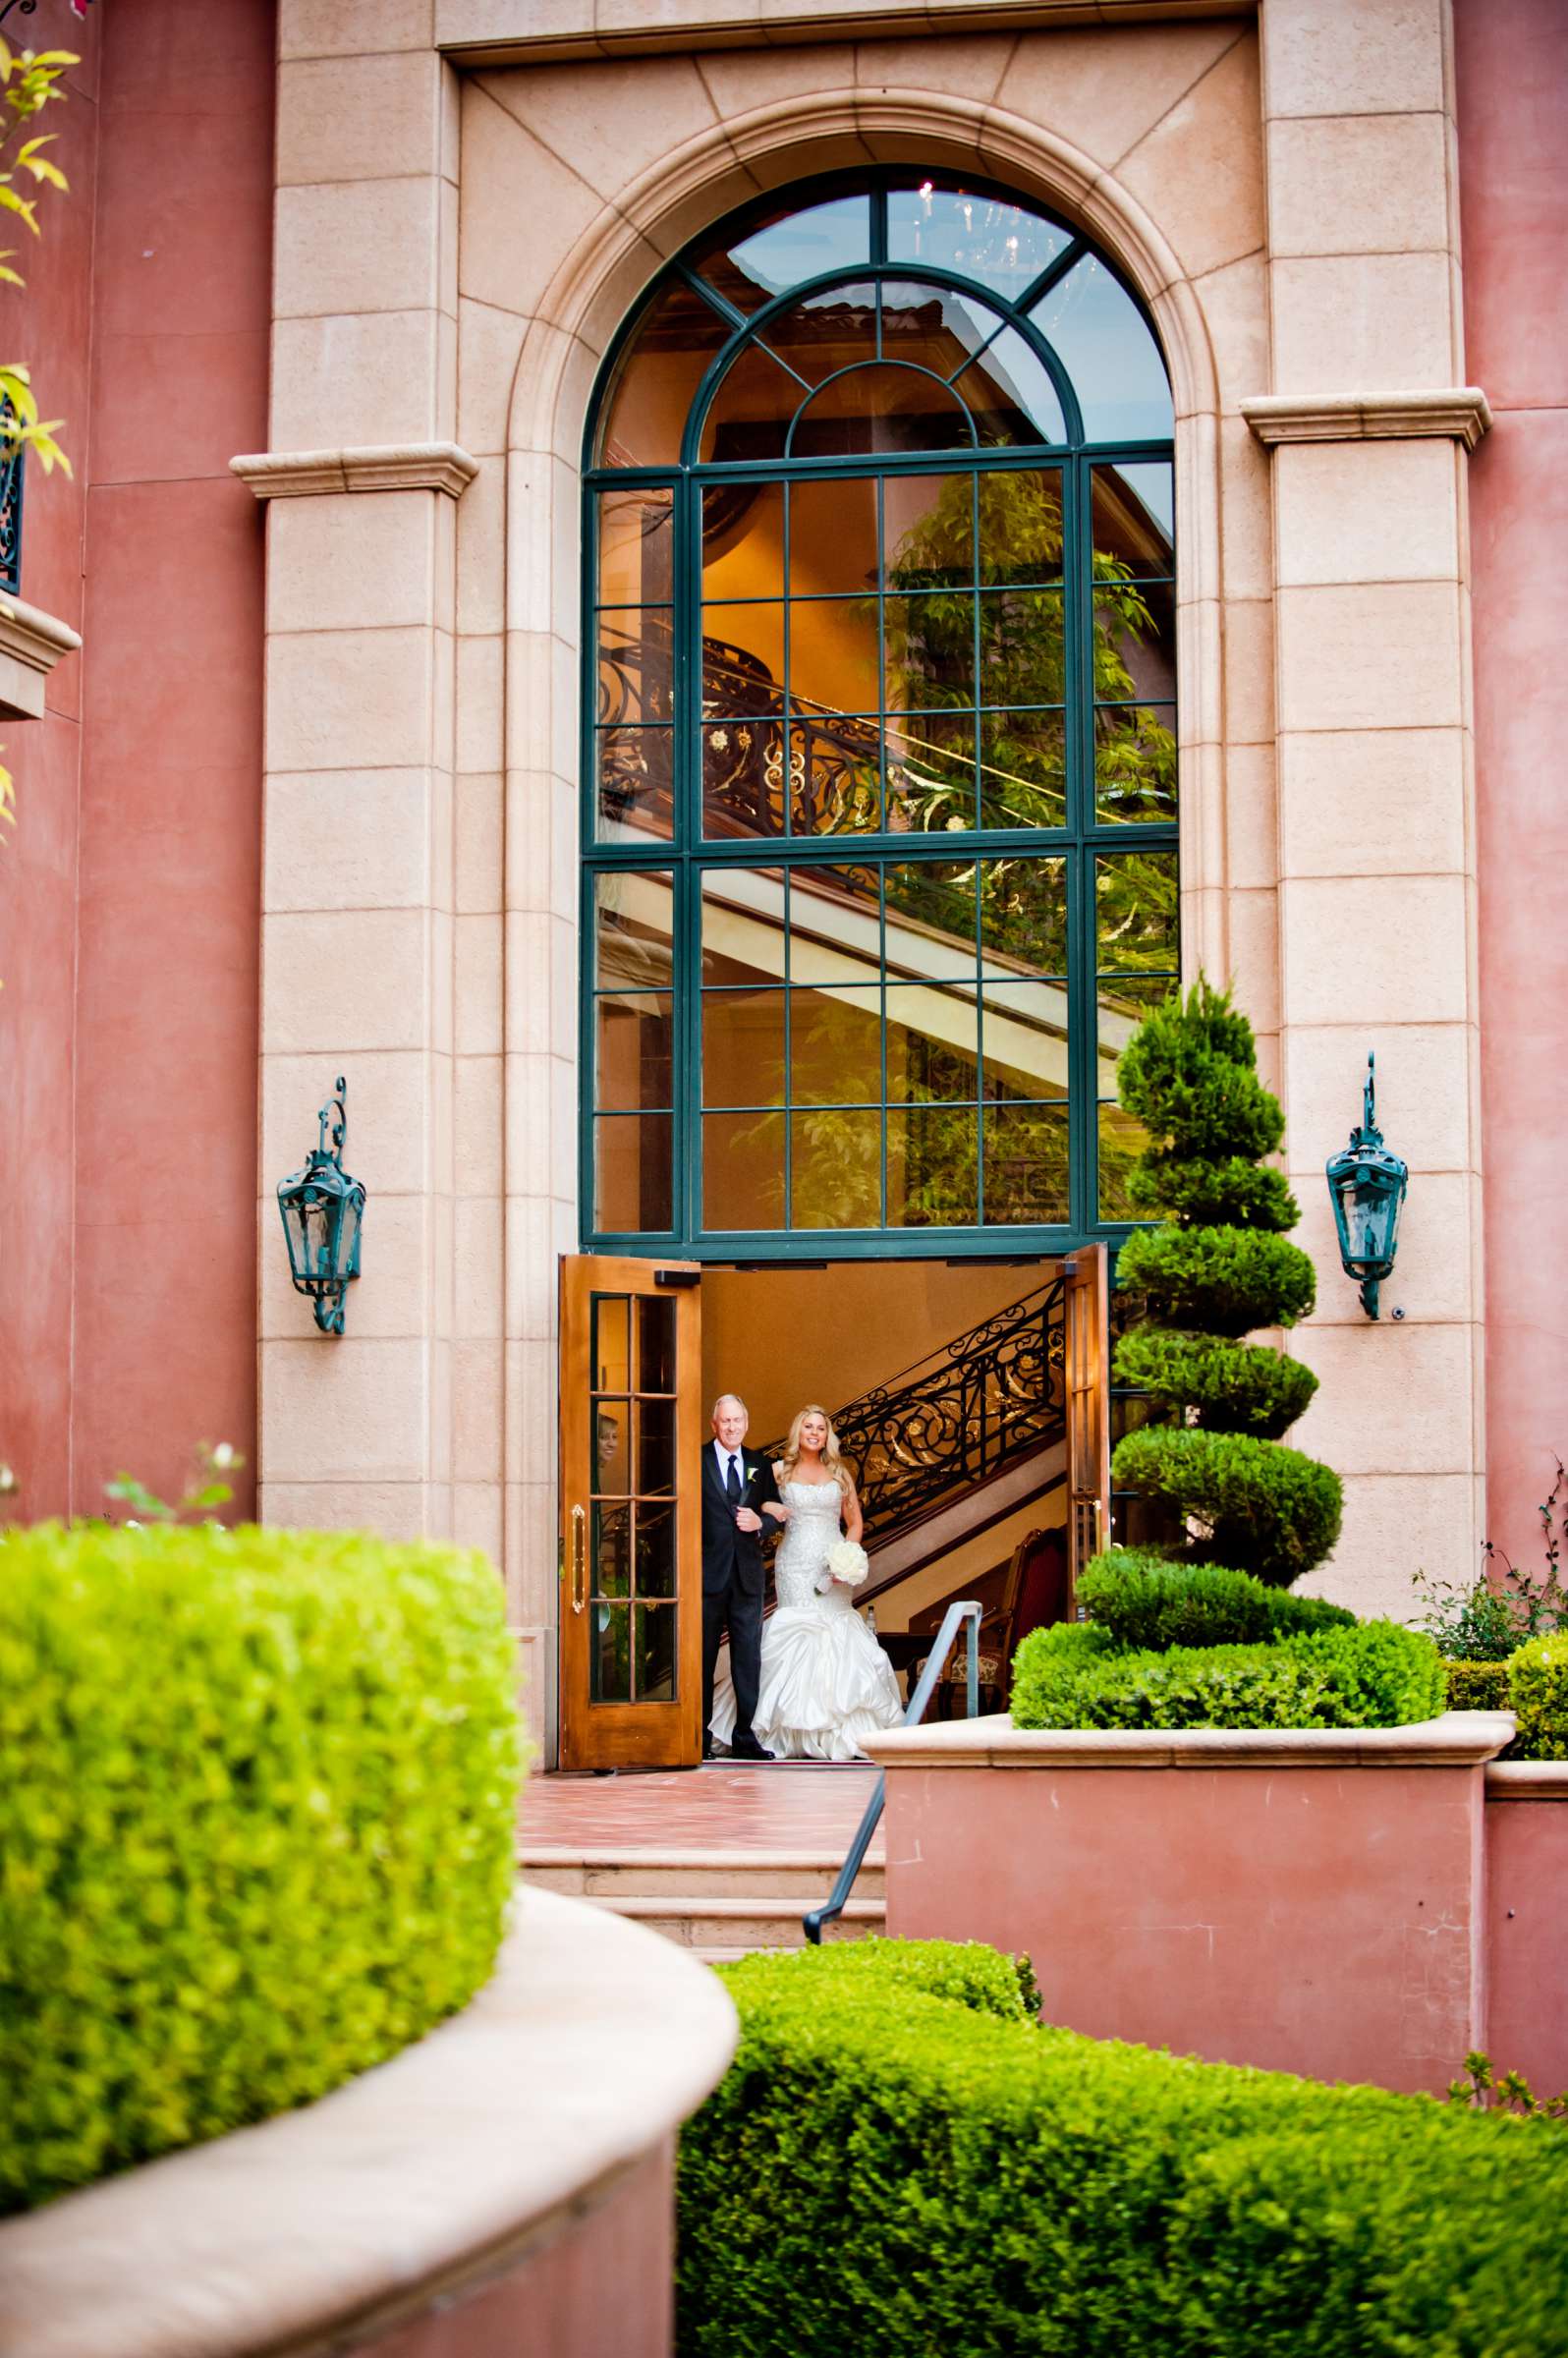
964	1610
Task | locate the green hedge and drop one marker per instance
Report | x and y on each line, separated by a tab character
1475	1686
1538	1694
1375	1674
1234	1387
256	1824
884	2172
1219	1280
1271	1509
1145	1601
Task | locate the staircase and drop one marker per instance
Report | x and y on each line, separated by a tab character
718	1907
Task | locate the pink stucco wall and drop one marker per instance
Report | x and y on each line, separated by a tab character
1527	1923
128	899
1512	81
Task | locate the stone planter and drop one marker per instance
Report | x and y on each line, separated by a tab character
1527	1920
507	2184
1311	1901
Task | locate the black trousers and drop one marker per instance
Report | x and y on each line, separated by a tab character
730	1610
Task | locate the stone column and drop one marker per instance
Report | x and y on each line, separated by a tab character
1369	423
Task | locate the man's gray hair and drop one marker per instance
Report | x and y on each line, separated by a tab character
719	1403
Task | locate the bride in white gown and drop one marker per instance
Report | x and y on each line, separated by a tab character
826	1681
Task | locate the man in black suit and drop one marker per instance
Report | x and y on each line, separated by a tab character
736	1485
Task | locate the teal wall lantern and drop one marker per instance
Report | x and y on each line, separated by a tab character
1368	1186
322	1210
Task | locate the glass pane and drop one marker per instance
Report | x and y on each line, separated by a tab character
635	654
881	407
1134	913
656	1344
743	1048
983	237
1106	345
743	660
837	776
612	1360
654	1667
1026	1164
1135	636
835	933
611	1654
835	659
637	547
743	1171
612	1458
928	531
1023	647
610	1569
933	327
743	540
1135	763
656	377
931	772
1026	1040
933	1050
1024	769
831	330
655	1550
932	1166
743	926
937	899
633	1070
1024	912
743	778
930	651
750	414
836	1168
835	1048
1121	1142
833	537
632	1191
1010	392
632	910
655	1449
1123	1003
786	246
1134	515
1021	525
636	783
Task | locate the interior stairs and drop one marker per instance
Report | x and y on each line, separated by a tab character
718	1907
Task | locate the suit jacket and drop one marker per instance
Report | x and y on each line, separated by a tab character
729	1554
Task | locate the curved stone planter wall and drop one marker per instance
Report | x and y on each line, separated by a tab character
1310	1901
506	2185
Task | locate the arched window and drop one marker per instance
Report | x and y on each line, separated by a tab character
881	816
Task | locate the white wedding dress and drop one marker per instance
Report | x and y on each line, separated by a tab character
826	1681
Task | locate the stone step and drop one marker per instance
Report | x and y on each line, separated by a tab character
697	1922
796	1876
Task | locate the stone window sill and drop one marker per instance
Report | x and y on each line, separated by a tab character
32	643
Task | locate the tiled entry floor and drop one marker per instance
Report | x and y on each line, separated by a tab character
793	1809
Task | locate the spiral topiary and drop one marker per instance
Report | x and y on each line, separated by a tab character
1217	1266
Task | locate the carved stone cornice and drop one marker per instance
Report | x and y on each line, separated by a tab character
32	643
1461	411
385	467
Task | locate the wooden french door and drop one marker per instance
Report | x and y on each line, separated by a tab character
630	1568
1086	1353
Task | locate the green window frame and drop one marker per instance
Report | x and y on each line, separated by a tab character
800	877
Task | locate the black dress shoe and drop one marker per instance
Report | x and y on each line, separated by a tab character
750	1750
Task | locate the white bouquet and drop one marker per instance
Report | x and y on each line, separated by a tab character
847	1563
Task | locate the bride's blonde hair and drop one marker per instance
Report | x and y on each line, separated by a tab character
831	1457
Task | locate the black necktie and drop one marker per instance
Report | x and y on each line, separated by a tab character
732	1484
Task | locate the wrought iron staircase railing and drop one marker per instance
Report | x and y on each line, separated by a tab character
949	1423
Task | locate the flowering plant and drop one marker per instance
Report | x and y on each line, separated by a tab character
848	1563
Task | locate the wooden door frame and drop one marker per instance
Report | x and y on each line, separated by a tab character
1086	1382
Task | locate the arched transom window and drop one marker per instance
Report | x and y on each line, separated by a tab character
880	815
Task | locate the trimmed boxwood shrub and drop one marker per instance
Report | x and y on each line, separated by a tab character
1374	1675
1537	1695
1141	1599
1475	1686
1217	1268
256	1825
886	2171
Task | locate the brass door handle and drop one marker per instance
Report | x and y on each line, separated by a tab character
579	1558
